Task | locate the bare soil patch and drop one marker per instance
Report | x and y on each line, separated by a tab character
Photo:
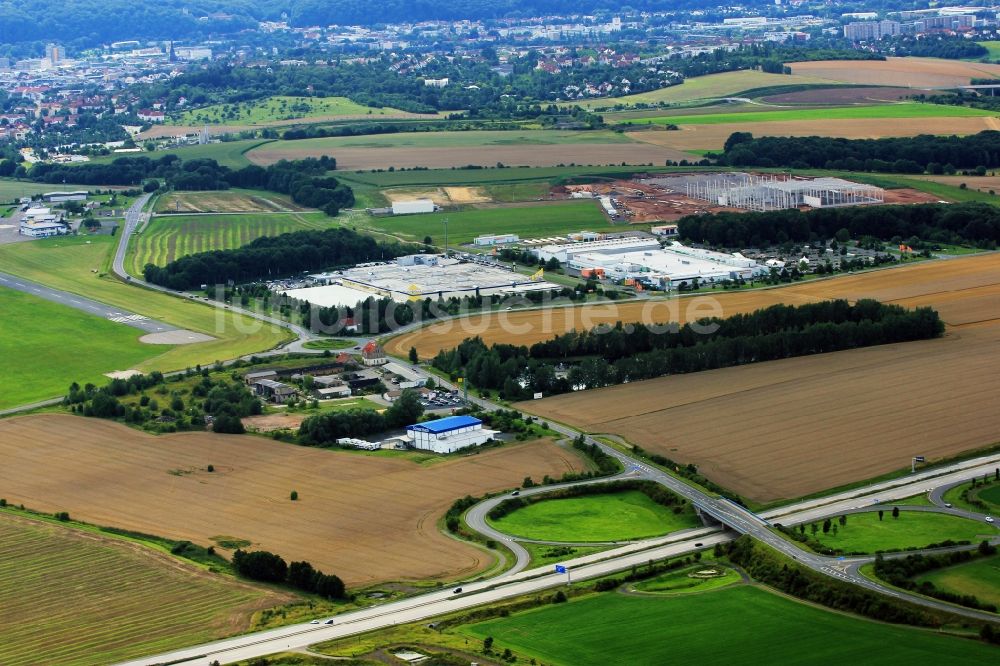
463	195
356	159
365	518
271	422
906	195
909	72
713	137
841	95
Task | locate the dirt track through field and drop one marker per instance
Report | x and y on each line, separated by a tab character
713	137
792	427
364	518
359	159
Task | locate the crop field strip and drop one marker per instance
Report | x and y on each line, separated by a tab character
81	598
386	529
910	72
169	237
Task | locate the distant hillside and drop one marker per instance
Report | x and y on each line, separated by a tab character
85	23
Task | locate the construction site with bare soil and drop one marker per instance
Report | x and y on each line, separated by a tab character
667	198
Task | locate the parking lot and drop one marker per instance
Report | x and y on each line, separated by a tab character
442	400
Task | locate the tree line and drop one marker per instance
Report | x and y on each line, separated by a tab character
273	257
148	402
269	567
650	489
970	223
768	567
326	429
917	154
305	180
900	573
611	355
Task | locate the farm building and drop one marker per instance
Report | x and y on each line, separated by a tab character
253	377
273	391
449	434
496	239
764	193
664	230
59	197
330	392
412	207
372	354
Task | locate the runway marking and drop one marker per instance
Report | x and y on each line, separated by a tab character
128	318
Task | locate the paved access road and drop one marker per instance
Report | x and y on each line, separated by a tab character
87	305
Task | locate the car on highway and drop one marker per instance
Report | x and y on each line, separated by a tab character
947	505
330	621
515	493
456	590
699	544
314	622
989	519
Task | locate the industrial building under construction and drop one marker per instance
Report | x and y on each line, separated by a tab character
771	192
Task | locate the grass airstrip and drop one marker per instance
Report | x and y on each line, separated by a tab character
76	346
79	265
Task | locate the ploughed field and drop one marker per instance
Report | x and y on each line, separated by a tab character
363	518
909	72
796	426
74	597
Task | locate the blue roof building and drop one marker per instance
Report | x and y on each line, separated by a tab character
449	434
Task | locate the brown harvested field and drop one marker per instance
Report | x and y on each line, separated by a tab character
909	72
841	95
957	288
979	183
366	518
224	202
792	427
359	158
76	597
713	137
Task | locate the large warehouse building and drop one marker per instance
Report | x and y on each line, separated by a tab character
449	434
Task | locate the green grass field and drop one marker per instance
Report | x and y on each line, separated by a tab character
900	110
979	578
993	48
275	109
167	238
513	175
712	86
79	265
865	533
990	495
75	345
482	138
74	599
736	623
606	517
526	221
683	582
226	153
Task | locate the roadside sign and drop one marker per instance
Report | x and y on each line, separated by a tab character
560	568
918	458
538	396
